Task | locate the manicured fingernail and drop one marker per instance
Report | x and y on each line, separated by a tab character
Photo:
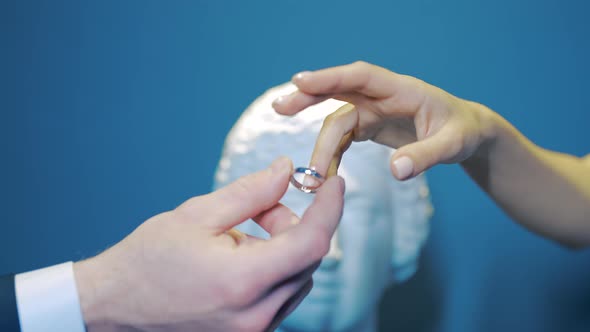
281	165
300	76
279	101
404	167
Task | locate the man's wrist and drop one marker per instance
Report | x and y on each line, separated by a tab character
83	272
97	298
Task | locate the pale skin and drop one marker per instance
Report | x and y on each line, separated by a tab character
547	192
189	270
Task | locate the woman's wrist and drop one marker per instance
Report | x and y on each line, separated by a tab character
500	147
490	126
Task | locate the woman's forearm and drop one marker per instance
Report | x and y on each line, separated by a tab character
545	191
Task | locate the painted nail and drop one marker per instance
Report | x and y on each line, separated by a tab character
300	76
279	101
404	167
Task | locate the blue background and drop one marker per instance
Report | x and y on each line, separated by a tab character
113	111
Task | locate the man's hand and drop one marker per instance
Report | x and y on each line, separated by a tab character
188	270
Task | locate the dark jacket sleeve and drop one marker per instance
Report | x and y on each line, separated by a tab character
8	310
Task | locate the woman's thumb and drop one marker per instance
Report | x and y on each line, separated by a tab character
413	159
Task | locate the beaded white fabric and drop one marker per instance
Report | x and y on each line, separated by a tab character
383	228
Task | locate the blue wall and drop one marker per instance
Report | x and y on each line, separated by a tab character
113	111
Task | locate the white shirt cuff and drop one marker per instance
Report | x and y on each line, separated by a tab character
47	300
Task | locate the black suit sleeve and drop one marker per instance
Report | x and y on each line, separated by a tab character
8	310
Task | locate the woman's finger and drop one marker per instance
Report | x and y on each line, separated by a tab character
296	101
334	138
367	79
344	144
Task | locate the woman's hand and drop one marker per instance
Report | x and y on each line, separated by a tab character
427	125
545	191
